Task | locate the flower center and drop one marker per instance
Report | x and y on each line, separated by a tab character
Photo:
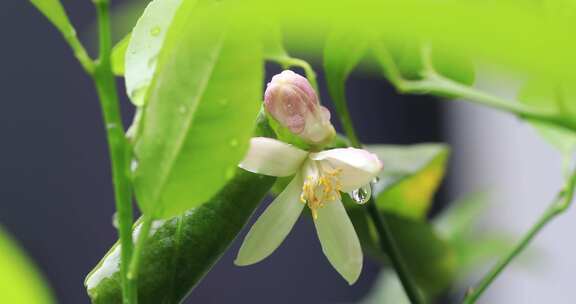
321	188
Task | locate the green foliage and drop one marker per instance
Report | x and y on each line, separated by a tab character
199	111
144	46
118	55
182	249
409	57
54	11
473	247
20	282
410	177
552	97
429	258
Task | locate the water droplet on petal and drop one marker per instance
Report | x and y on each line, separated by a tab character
155	31
361	195
376	180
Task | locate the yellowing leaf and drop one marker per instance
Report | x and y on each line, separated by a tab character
410	177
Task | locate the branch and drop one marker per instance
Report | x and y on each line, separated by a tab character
435	84
558	206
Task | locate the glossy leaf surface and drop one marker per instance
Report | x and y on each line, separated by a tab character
144	45
199	111
181	250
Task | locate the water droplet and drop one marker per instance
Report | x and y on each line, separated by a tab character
115	220
155	31
234	143
182	109
229	173
376	180
134	165
152	61
223	102
361	195
111	126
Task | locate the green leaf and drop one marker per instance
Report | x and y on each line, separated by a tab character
54	11
553	97
386	290
474	247
20	282
410	177
429	258
181	250
144	46
118	55
197	121
408	56
342	53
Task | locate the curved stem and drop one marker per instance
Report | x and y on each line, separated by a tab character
135	263
435	84
558	206
385	235
120	151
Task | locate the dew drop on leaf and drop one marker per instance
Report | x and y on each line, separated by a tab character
182	109
361	195
234	143
134	165
155	31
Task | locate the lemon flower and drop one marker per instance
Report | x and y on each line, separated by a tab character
318	180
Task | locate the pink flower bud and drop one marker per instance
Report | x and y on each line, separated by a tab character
291	100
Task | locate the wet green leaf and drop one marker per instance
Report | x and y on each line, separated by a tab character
555	97
144	46
199	111
181	250
20	281
410	177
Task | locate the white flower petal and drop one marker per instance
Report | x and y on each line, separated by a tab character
272	157
339	240
273	225
359	167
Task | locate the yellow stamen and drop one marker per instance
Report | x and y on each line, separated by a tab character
321	189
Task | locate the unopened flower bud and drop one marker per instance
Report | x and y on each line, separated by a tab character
291	100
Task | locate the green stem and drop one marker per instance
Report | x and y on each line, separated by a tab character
385	235
288	62
120	151
558	206
435	84
141	241
388	244
79	51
